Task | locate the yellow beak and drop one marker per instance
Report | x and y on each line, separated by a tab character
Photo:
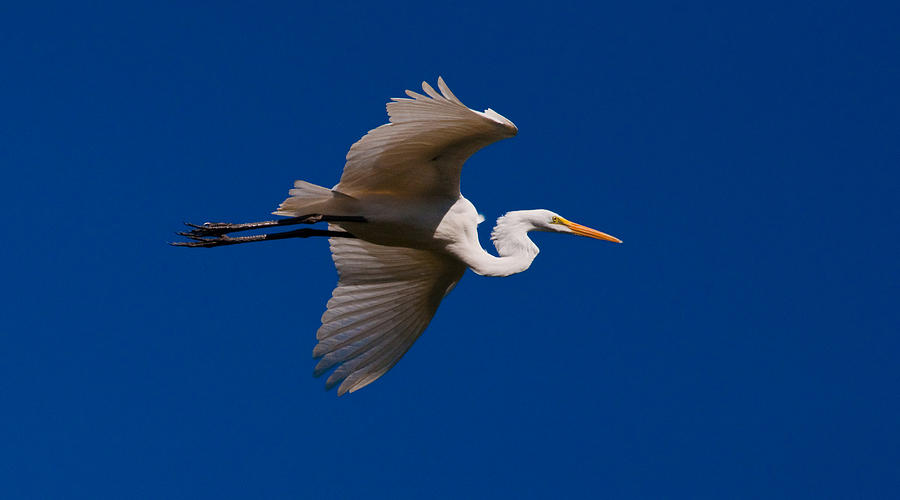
590	233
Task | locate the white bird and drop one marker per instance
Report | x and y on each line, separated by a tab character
401	233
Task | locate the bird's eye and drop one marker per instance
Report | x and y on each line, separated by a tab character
555	220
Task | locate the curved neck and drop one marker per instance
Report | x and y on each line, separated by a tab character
516	251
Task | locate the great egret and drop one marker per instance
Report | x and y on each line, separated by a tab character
401	233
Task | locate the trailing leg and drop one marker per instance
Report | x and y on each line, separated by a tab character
217	241
220	228
214	234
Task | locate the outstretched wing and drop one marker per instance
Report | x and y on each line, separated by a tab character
384	299
422	150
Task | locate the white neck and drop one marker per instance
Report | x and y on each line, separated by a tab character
516	250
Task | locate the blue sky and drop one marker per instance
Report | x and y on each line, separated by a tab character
741	343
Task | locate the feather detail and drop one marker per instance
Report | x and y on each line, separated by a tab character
422	150
385	298
446	91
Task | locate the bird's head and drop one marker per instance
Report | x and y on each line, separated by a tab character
510	237
545	220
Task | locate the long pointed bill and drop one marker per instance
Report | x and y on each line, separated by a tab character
590	233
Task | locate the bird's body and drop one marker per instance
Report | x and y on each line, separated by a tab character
423	223
413	233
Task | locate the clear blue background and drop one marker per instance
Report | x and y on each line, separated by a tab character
741	343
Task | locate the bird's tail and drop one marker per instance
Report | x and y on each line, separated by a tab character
307	198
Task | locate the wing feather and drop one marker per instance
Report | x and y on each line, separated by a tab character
380	361
430	91
446	91
385	298
422	150
367	339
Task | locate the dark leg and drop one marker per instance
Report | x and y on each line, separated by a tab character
217	241
220	228
214	234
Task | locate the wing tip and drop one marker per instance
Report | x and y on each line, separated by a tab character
445	93
334	380
505	122
445	90
430	91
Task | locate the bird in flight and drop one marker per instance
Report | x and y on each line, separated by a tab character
401	234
